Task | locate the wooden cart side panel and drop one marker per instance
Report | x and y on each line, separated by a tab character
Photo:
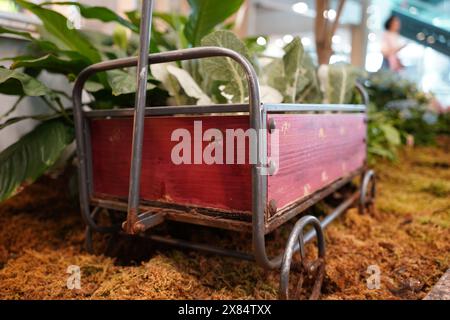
225	187
315	150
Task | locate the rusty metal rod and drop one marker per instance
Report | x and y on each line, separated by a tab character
333	216
201	247
139	115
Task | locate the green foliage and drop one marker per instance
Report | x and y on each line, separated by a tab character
61	49
404	106
229	72
26	160
25	35
206	15
100	13
383	137
294	70
293	78
337	82
17	83
400	113
253	46
50	63
295	75
443	124
65	38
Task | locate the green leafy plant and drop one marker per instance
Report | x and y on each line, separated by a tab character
400	113
383	138
206	15
23	162
60	49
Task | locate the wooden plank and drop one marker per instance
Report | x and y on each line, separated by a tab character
441	291
226	187
315	151
291	211
192	216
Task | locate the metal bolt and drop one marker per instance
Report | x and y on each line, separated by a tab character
272	125
138	228
272	167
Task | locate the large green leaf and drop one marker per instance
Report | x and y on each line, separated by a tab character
25	35
26	160
159	72
294	75
120	38
177	24
43	46
311	93
337	82
13	82
172	19
57	25
273	75
124	81
295	70
225	69
205	15
190	87
159	41
39	117
50	63
99	13
391	134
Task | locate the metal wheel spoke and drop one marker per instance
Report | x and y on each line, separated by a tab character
311	270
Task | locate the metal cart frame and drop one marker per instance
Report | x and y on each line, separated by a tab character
138	221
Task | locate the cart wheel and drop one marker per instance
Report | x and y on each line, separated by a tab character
88	233
307	270
367	193
88	243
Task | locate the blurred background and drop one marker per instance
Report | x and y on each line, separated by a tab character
425	27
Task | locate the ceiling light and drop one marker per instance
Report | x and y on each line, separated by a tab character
261	41
288	38
331	14
300	7
306	41
372	37
336	39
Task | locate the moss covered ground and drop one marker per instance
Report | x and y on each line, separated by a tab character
408	238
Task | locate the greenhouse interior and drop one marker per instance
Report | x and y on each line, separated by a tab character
252	150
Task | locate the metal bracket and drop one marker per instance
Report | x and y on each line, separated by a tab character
145	221
272	125
272	167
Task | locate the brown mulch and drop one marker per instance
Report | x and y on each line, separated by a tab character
407	239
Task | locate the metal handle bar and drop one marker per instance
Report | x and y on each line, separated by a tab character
255	108
363	92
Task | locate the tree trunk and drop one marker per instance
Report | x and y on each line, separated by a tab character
325	30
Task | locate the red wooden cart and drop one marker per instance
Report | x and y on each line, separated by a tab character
321	148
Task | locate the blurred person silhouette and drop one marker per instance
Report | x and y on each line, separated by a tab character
391	44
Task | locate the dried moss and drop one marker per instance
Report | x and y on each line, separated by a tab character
408	238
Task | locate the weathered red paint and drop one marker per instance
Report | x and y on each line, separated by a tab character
315	150
225	187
